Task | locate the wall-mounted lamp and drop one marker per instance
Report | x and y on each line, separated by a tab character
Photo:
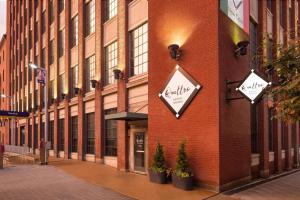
118	74
241	48
76	90
53	100
175	52
64	96
94	83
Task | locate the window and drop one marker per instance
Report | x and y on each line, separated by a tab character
253	45
90	73
271	130
111	9
61	44
43	57
30	136
29	74
51	52
30	102
74	80
74	31
25	46
51	90
111	62
110	135
269	5
51	13
25	75
44	22
90	17
281	12
61	134
139	50
35	135
51	133
35	32
35	98
61	5
61	84
74	133
42	130
90	127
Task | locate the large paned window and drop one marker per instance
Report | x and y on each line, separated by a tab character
61	38
139	50
44	22
51	52
61	84
51	133
74	80
43	130
90	72
30	136
74	133
110	135
111	8
90	127
111	62
61	134
74	31
90	17
61	5
51	90
51	12
35	135
253	45
43	57
271	129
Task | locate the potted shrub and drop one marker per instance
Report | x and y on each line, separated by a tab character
157	171
182	176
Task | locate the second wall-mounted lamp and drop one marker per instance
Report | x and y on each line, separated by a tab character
175	51
76	90
241	48
94	83
118	74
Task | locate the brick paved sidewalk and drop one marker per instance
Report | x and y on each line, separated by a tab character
133	185
34	182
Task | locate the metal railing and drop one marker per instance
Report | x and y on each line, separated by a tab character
16	149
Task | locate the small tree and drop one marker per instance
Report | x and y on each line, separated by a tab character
285	92
158	164
182	166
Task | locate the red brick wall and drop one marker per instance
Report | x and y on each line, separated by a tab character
4	88
195	29
234	115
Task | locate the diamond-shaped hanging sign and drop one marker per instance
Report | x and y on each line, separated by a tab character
253	86
179	91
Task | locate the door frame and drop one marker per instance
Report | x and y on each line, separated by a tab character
133	130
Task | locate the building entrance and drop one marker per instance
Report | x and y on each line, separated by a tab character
138	151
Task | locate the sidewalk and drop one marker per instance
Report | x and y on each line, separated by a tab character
133	185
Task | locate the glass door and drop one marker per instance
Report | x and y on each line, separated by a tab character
139	151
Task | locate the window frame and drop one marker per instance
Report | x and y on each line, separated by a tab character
111	62
139	48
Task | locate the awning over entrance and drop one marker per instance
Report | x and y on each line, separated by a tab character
128	116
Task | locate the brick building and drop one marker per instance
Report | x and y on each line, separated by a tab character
4	102
104	80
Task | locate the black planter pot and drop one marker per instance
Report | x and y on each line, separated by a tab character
186	183
158	177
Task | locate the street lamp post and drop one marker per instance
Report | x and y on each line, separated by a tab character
46	104
13	120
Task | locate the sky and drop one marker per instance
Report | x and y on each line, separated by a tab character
2	17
